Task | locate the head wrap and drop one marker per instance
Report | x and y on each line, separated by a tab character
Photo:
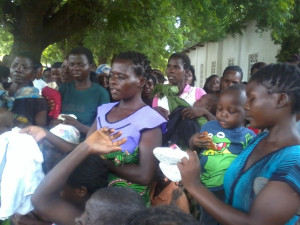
66	132
104	68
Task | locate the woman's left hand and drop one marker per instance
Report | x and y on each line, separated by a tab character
190	170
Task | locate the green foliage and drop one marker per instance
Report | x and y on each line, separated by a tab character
156	28
6	41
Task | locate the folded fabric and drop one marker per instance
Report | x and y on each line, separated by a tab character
20	172
66	132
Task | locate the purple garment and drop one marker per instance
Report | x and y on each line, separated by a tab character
131	126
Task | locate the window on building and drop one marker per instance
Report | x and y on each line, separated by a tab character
213	67
253	58
231	62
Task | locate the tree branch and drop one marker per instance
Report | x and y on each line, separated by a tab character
68	20
8	13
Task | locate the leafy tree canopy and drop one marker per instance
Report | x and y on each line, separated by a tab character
155	27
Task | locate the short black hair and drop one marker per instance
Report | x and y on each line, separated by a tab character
140	62
116	204
161	215
234	68
26	54
185	59
239	91
83	51
281	78
257	65
92	173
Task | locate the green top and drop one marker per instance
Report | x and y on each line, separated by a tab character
82	103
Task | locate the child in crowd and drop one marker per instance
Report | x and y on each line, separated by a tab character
212	84
81	97
203	109
229	137
231	75
28	104
177	72
49	79
135	166
165	192
262	184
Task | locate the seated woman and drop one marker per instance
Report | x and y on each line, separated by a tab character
141	125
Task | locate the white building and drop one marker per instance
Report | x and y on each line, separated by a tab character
242	50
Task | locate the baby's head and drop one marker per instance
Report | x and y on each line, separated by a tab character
230	111
6	120
111	205
87	178
208	101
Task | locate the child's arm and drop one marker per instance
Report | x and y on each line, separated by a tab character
275	205
40	133
74	122
144	172
47	200
196	112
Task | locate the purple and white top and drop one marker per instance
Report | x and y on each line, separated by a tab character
131	126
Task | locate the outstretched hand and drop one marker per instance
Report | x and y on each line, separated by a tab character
190	170
102	141
38	133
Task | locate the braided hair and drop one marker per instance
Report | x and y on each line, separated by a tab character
281	78
140	63
159	76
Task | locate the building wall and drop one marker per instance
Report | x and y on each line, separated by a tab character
235	50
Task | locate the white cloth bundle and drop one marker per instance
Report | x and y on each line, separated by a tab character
20	172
